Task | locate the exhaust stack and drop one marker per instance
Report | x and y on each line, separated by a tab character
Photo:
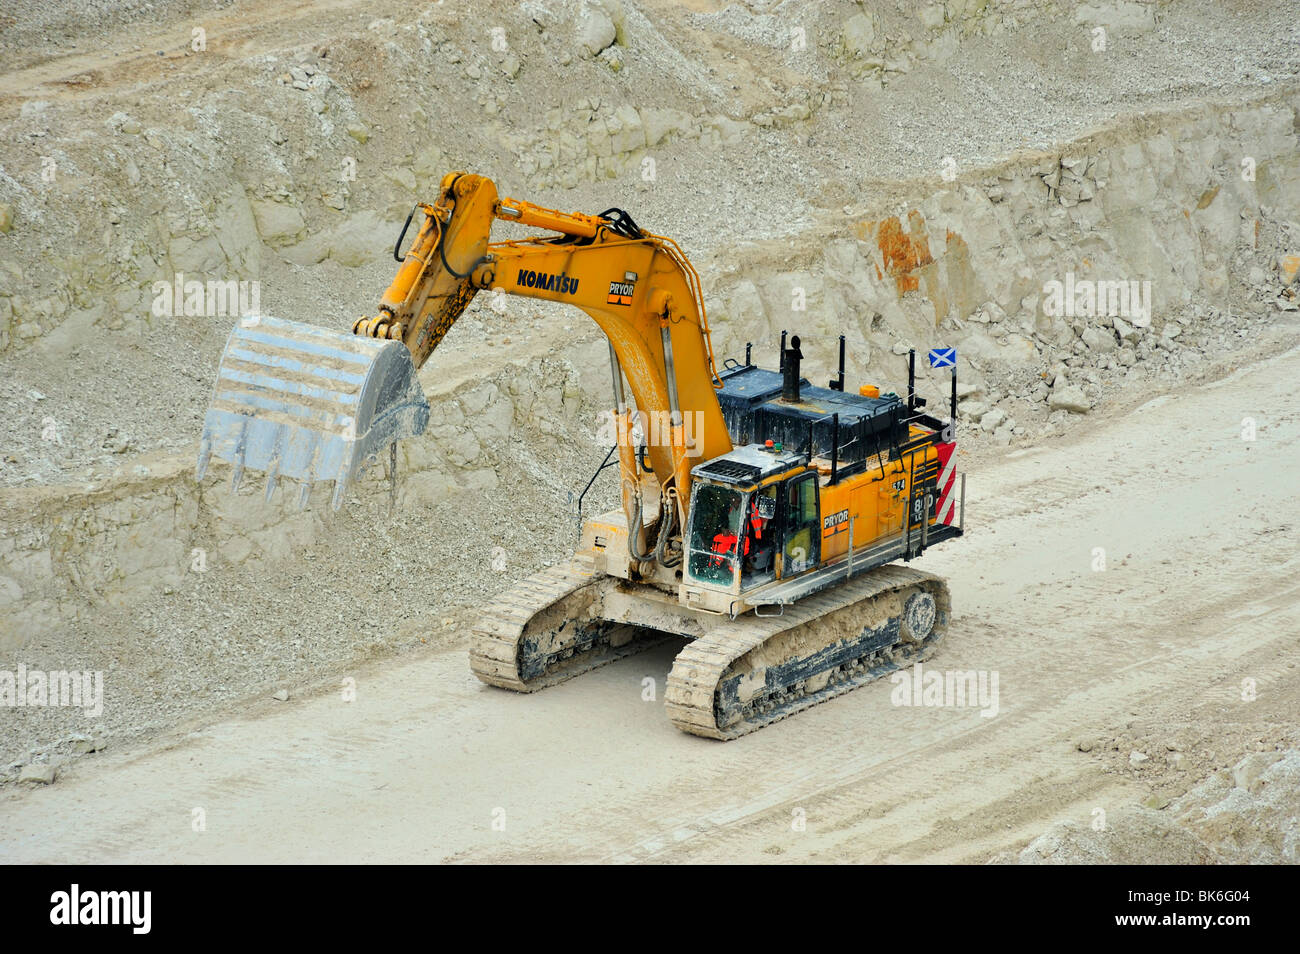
790	369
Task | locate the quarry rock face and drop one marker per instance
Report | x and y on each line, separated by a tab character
957	269
1082	225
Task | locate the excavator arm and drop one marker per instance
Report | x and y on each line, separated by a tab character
639	288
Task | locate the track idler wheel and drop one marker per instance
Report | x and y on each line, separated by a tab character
919	614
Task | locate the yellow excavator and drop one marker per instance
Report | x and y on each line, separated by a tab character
762	518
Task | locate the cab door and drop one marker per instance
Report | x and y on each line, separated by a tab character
800	526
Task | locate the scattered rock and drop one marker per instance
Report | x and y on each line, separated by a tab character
611	57
85	744
992	419
1288	266
39	773
281	695
595	29
1098	340
1069	398
1246	773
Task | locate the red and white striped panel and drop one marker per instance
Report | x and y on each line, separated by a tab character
947	485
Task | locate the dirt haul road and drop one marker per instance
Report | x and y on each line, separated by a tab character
1199	593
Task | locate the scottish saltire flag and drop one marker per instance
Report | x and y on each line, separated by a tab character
943	357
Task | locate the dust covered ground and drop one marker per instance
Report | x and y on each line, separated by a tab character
1118	692
1148	710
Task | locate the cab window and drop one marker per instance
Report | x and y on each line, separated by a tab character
717	534
801	538
758	552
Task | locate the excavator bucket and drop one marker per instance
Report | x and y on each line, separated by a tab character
299	401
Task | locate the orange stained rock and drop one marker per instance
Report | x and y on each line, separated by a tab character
902	252
1289	268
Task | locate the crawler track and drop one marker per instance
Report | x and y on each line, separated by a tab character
545	630
756	670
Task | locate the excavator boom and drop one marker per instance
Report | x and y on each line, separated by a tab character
281	404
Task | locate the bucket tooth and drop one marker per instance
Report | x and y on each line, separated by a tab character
205	456
273	470
340	488
241	448
392	476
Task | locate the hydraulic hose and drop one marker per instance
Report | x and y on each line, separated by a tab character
635	517
667	518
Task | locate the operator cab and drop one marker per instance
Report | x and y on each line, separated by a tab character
753	518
